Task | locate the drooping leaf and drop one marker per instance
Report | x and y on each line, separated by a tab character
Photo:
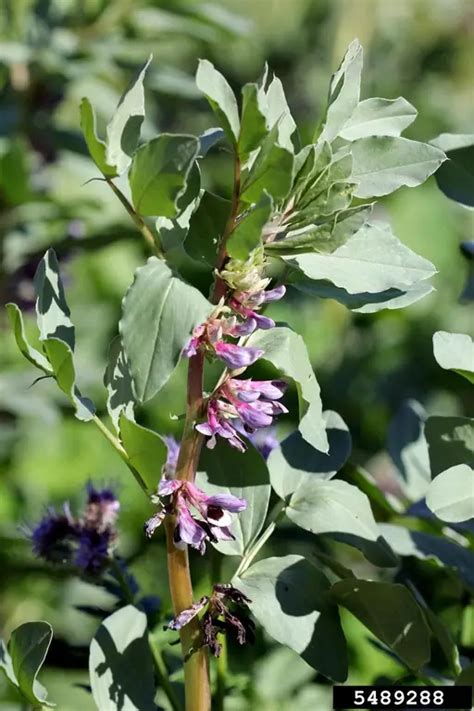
450	442
30	353
253	126
146	450
271	171
404	630
206	227
159	312
295	461
426	546
119	384
173	232
408	449
221	98
383	164
341	510
451	495
247	235
96	146
290	600
278	114
344	91
245	475
456	176
159	172
123	130
455	351
378	117
118	682
23	658
371	261
57	332
286	350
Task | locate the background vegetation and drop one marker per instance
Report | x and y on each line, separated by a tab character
52	53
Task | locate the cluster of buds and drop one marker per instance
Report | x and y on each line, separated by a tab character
226	611
239	405
198	517
84	542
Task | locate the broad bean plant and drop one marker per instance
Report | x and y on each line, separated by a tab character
301	217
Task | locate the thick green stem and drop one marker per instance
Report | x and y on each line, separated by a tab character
196	668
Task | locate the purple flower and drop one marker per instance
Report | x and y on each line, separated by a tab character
226	612
172	457
275	294
102	509
199	517
55	536
219	423
85	541
237	356
92	554
265	441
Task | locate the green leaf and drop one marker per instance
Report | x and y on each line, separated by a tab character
159	172
247	235
253	127
391	613
450	442
60	356
243	474
383	164
123	130
295	461
97	148
119	384
290	600
57	332
443	644
120	663
286	350
52	311
146	450
344	91
455	351
340	509
206	228
30	353
279	115
158	314
456	176
221	98
451	495
271	171
24	657
208	139
408	449
362	302
378	117
371	261
429	547
173	232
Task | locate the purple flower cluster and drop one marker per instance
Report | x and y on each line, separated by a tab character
238	405
84	542
226	611
199	517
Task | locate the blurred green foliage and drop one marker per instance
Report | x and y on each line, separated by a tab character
54	52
